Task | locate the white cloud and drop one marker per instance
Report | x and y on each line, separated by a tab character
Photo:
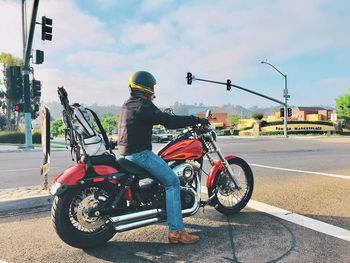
225	39
73	29
11	28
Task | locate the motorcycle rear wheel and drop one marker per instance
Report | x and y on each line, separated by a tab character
72	223
227	199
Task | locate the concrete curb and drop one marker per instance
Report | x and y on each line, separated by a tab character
29	150
13	205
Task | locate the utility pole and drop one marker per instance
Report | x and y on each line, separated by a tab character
27	48
286	96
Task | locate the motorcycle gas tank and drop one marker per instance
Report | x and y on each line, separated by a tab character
183	150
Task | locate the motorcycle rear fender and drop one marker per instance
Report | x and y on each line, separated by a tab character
215	169
74	175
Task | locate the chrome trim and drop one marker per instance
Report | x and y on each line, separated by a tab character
191	211
55	188
122	223
136	224
136	215
180	169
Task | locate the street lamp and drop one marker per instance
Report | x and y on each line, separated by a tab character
286	97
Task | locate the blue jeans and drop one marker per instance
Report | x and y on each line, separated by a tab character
156	166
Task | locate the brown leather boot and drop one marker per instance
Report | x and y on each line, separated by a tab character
182	237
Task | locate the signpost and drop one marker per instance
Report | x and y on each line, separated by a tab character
45	143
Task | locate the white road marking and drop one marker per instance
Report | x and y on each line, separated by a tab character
304	221
300	171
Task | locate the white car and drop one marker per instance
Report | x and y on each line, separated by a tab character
161	136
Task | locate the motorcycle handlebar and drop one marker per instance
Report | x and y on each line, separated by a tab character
200	128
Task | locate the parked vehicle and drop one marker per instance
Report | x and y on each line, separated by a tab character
101	195
160	135
113	136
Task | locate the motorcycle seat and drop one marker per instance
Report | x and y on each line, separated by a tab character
105	159
132	168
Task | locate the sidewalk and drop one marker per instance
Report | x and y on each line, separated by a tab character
14	148
23	198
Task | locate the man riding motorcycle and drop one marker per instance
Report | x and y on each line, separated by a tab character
137	118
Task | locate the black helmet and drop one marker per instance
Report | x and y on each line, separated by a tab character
142	82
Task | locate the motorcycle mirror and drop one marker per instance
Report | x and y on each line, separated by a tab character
208	114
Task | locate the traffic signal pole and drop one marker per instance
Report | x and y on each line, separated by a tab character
286	96
229	85
28	41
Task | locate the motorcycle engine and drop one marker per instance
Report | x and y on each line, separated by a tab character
186	171
187	197
153	194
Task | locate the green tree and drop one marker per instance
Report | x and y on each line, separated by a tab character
110	122
8	60
258	116
343	107
57	127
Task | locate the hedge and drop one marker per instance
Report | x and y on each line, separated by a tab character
18	137
225	133
268	133
273	123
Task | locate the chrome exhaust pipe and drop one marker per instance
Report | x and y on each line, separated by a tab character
143	218
137	224
134	216
192	210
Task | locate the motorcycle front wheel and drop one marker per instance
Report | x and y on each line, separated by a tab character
227	198
72	223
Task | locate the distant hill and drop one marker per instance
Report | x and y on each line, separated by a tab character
178	108
56	109
231	109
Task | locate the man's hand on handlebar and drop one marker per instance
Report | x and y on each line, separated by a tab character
202	121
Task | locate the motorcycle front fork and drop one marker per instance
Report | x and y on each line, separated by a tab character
226	165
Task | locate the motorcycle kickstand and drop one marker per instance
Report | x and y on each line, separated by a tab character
208	201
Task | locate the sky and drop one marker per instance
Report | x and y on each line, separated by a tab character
97	44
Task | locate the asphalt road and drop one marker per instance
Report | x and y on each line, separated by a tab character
307	176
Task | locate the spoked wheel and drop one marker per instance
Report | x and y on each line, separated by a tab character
70	216
229	199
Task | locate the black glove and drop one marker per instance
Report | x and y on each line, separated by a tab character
202	121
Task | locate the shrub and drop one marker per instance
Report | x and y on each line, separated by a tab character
272	133
18	137
273	123
258	116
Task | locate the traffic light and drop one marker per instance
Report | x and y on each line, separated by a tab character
289	112
36	107
15	84
189	78
36	88
19	107
228	84
281	112
46	28
38	57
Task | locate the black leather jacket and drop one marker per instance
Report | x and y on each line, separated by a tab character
136	122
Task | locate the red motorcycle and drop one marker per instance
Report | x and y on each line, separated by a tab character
102	195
